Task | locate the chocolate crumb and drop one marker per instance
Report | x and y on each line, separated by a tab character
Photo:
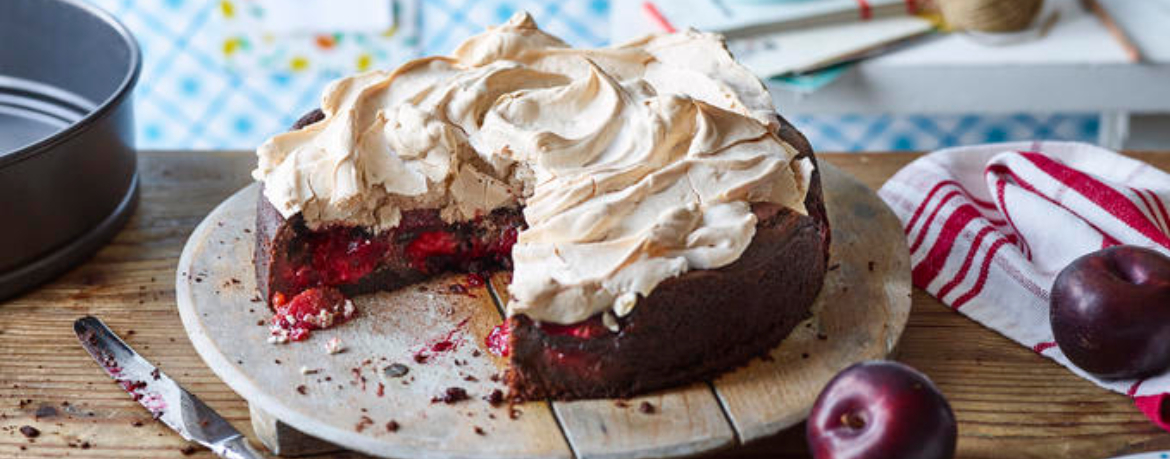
476	353
871	265
154	374
822	336
392	426
301	389
420	358
621	403
514	413
45	411
451	396
470	378
136	423
496	398
276	361
834	266
395	370
85	445
188	450
804	355
29	432
363	423
479	431
646	408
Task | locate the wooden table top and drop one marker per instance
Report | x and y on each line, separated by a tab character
1010	402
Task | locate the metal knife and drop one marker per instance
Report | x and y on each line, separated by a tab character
165	399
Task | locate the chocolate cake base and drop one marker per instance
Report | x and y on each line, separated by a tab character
689	328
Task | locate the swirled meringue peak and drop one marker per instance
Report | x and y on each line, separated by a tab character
634	163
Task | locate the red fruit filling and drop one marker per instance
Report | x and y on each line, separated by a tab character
433	251
429	245
322	260
335	256
586	329
497	340
312	309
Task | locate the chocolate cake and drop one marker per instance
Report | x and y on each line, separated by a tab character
682	302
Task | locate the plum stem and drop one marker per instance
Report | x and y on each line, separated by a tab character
853	421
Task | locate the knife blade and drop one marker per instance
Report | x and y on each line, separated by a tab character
162	396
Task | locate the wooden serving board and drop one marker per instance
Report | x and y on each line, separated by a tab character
348	400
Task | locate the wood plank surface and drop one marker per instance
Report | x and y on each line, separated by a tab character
1010	402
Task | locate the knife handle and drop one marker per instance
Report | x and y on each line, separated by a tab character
236	448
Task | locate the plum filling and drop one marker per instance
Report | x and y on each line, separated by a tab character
497	340
586	329
333	257
313	309
318	265
593	327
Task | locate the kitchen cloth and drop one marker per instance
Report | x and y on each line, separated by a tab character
989	227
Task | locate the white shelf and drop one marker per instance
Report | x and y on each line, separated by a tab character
1077	67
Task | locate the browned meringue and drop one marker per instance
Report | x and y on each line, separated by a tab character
635	163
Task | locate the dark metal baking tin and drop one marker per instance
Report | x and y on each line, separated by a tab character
68	172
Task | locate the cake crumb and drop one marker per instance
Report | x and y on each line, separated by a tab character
392	426
45	411
621	403
496	398
646	408
279	335
395	370
334	346
29	431
364	422
188	450
308	371
301	389
479	431
451	396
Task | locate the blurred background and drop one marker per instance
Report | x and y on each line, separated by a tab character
226	74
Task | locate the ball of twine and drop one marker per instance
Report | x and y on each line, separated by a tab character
989	15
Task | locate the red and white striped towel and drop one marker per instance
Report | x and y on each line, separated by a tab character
990	227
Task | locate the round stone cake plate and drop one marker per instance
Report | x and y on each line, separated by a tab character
305	400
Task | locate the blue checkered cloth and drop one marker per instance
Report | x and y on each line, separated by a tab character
188	98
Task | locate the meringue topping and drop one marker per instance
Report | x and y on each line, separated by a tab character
634	163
